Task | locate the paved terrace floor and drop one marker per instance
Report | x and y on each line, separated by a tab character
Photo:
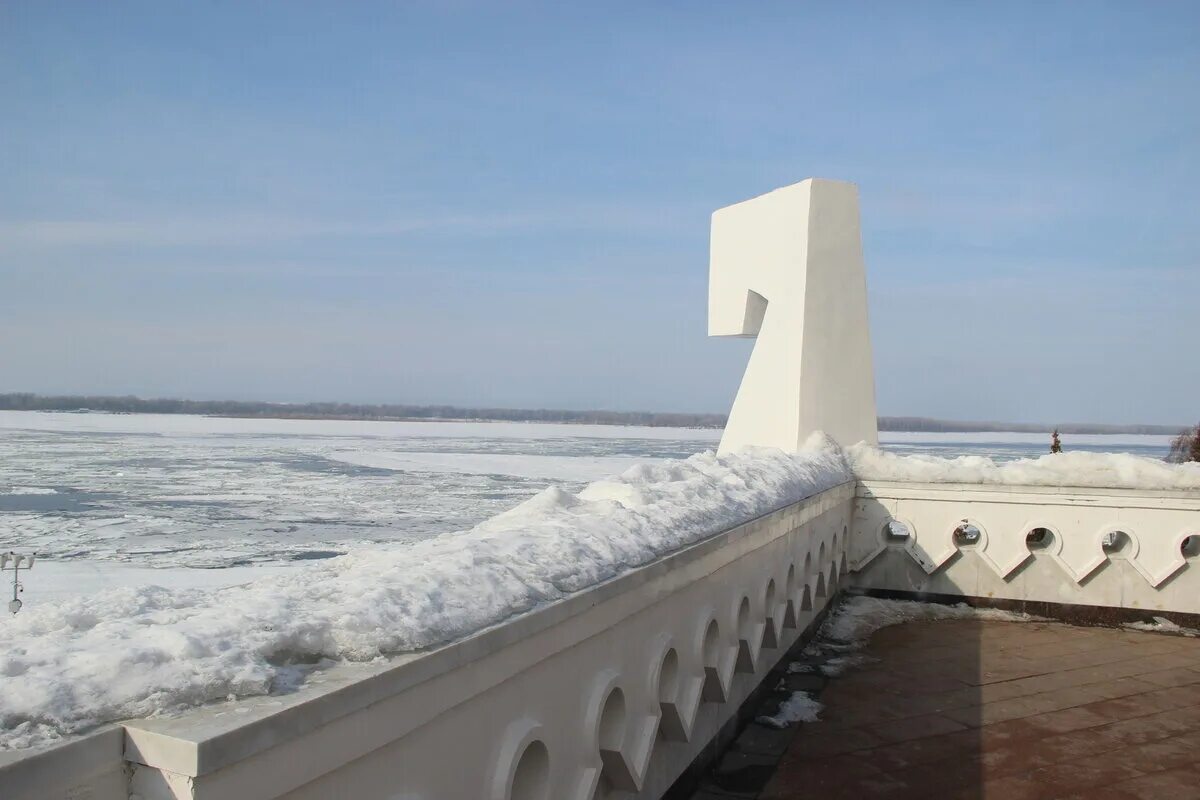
989	710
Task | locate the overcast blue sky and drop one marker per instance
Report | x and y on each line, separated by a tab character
509	203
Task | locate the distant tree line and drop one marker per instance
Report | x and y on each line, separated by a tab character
24	401
27	401
956	426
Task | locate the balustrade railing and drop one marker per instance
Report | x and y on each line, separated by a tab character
616	689
1111	548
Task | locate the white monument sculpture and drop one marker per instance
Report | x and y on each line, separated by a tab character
787	268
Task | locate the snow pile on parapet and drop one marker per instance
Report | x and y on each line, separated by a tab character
134	652
855	620
1106	470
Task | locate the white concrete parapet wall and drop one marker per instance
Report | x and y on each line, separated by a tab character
1112	548
787	268
611	692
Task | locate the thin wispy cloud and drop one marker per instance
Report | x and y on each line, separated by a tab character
496	203
246	228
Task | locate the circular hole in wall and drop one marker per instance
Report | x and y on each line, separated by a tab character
895	532
1115	541
966	534
1190	546
1039	538
531	780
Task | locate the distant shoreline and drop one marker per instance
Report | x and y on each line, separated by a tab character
241	409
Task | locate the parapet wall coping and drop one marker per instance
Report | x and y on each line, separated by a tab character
1047	495
34	773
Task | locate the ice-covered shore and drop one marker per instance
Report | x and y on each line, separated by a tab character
132	652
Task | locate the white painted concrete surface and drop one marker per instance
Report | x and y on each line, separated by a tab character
1151	561
787	268
91	767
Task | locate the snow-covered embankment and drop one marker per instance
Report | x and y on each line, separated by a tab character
136	652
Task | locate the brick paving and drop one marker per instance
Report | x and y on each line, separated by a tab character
988	711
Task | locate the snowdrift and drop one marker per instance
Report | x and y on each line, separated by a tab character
1103	470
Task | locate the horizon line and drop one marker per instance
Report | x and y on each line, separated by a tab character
337	409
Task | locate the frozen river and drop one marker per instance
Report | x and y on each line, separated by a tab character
117	499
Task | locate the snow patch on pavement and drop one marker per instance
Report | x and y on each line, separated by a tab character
800	707
855	620
836	667
1162	625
